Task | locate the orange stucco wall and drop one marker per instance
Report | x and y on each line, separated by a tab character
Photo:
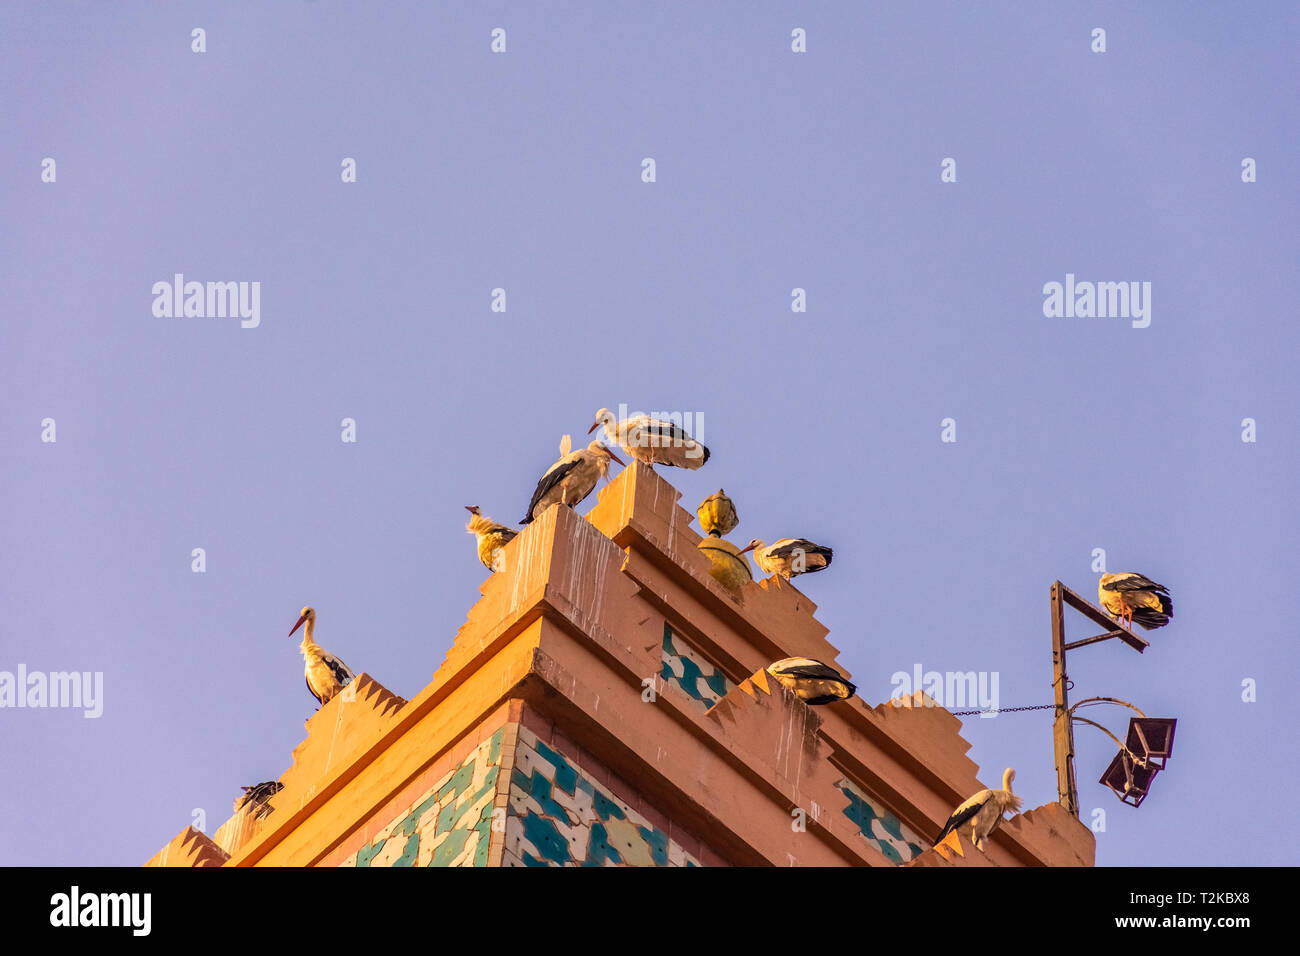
567	643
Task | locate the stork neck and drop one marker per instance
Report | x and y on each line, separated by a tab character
309	636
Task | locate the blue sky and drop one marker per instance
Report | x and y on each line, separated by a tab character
522	171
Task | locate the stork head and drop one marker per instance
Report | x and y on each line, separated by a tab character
1008	801
308	615
754	544
603	417
478	523
600	448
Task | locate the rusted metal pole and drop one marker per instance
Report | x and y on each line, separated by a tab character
1062	728
1094	640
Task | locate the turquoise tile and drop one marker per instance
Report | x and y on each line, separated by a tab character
542	833
658	841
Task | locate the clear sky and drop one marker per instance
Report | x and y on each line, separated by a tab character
775	170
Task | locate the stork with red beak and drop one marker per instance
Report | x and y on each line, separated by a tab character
789	557
326	674
651	440
571	478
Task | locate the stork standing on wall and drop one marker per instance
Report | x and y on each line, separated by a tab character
789	556
812	681
983	811
1131	596
326	674
651	440
491	536
571	478
257	797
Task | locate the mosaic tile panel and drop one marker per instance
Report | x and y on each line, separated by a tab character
560	817
693	673
449	825
885	831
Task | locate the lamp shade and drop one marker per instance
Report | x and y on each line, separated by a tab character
1130	781
1152	737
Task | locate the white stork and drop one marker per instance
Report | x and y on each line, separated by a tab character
491	537
257	797
789	557
571	478
812	681
651	440
1134	597
326	674
983	811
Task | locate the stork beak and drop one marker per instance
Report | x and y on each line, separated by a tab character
471	508
611	454
743	550
298	625
593	428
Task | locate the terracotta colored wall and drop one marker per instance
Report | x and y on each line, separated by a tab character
537	741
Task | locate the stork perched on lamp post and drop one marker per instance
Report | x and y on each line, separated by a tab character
570	479
326	674
1128	596
651	440
812	681
789	557
491	537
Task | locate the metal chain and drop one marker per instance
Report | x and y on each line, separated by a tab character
1001	710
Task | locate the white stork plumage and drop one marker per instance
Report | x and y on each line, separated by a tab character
812	681
652	440
1135	597
490	535
571	478
326	674
983	812
789	557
